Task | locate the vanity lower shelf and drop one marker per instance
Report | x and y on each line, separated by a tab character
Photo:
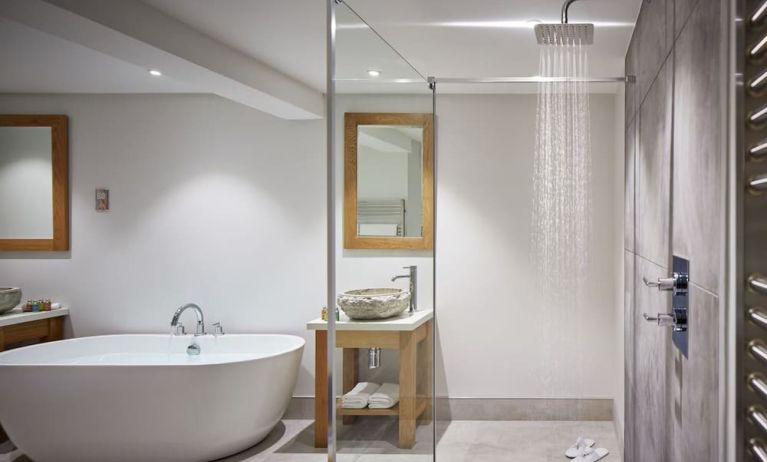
392	411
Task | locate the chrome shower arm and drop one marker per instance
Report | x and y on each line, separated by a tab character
564	10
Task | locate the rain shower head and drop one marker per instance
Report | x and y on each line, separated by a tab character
565	33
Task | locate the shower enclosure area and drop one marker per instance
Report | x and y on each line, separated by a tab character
527	179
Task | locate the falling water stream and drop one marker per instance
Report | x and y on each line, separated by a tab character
561	207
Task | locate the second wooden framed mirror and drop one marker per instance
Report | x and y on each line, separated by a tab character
388	181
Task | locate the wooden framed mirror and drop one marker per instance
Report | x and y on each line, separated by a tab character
34	183
388	181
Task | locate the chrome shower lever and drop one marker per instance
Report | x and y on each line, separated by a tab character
661	284
676	283
663	319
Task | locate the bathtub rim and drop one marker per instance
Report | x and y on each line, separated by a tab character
293	348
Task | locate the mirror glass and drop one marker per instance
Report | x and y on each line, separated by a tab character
26	186
389	181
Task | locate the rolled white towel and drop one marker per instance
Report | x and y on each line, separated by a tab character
358	397
385	397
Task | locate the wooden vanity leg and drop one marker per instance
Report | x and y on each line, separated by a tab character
350	377
407	389
425	371
320	389
2	339
55	329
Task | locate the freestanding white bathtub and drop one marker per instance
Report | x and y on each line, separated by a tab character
143	398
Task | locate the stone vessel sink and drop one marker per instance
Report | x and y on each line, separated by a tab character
10	297
374	303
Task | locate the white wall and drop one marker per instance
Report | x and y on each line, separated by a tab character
492	341
216	203
494	338
212	202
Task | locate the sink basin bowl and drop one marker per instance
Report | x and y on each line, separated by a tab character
10	297
374	303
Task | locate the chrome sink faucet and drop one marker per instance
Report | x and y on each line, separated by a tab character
178	328
413	277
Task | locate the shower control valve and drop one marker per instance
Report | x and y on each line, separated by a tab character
663	319
676	283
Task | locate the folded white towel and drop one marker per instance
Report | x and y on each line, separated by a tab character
385	397
358	397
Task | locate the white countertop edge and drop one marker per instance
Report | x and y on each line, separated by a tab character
16	316
406	322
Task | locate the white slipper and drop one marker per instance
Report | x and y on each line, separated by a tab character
578	449
594	456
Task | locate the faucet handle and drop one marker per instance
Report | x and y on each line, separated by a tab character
218	329
179	329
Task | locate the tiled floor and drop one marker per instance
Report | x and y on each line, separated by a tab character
375	440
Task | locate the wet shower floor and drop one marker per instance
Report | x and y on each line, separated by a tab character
374	440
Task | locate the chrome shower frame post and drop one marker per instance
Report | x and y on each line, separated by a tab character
330	124
435	174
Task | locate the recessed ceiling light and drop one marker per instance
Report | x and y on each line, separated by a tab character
374	73
155	72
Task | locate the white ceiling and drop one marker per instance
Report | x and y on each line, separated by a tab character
289	35
479	38
445	38
37	62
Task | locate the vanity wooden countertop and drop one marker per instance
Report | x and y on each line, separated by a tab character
16	316
404	322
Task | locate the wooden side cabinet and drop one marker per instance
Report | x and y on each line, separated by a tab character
413	338
20	328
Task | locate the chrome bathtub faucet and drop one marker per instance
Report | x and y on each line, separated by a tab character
413	279
178	328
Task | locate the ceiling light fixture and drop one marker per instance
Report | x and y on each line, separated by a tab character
374	73
155	73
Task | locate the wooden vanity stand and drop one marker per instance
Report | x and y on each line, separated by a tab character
42	326
412	336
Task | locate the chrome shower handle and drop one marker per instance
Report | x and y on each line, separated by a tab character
661	284
662	319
